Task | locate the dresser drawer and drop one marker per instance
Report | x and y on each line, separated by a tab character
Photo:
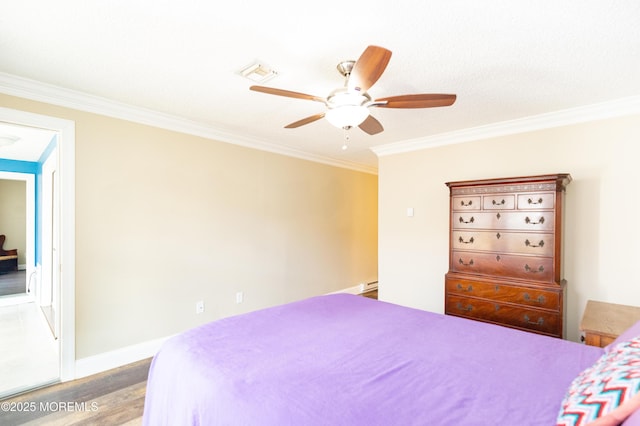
506	242
545	299
543	200
513	266
504	220
500	313
463	203
499	202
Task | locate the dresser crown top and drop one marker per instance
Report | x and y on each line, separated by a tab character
555	182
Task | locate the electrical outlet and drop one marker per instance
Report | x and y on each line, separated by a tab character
199	307
239	297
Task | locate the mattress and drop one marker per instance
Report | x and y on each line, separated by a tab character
349	360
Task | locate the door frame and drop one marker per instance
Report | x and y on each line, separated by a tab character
66	168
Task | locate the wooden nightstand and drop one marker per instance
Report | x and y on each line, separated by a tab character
603	322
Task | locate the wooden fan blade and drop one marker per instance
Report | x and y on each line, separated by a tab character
417	101
304	121
371	126
287	93
368	68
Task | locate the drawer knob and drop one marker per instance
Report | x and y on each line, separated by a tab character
471	220
541	299
463	204
530	244
533	271
539	201
528	221
528	320
498	203
470	263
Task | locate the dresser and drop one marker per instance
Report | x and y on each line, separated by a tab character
505	252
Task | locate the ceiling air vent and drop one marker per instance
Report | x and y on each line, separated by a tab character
258	73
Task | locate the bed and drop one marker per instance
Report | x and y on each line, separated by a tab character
349	360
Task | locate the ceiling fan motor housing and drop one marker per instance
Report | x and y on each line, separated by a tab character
341	97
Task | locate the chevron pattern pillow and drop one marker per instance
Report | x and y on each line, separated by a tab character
628	334
604	393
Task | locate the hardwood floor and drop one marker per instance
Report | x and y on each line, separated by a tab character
115	397
373	294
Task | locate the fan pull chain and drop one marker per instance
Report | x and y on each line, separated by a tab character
346	137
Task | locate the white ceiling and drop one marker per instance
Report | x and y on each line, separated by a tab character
29	143
504	59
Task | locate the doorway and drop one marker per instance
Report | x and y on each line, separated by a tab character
55	234
14	256
30	355
17	223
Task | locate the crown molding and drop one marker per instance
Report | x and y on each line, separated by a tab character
600	111
47	93
42	92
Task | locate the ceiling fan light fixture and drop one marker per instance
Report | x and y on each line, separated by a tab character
347	109
347	115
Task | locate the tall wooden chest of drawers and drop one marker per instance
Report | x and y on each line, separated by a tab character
505	252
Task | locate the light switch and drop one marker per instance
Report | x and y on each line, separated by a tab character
409	211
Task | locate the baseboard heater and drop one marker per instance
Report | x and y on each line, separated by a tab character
367	287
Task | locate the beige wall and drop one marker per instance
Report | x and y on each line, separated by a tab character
601	240
165	219
13	216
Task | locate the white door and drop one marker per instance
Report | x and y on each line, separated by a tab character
49	295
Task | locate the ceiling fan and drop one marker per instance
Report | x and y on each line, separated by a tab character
349	106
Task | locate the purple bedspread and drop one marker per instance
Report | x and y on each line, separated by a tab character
349	360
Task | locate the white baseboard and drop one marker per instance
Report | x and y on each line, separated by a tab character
117	358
